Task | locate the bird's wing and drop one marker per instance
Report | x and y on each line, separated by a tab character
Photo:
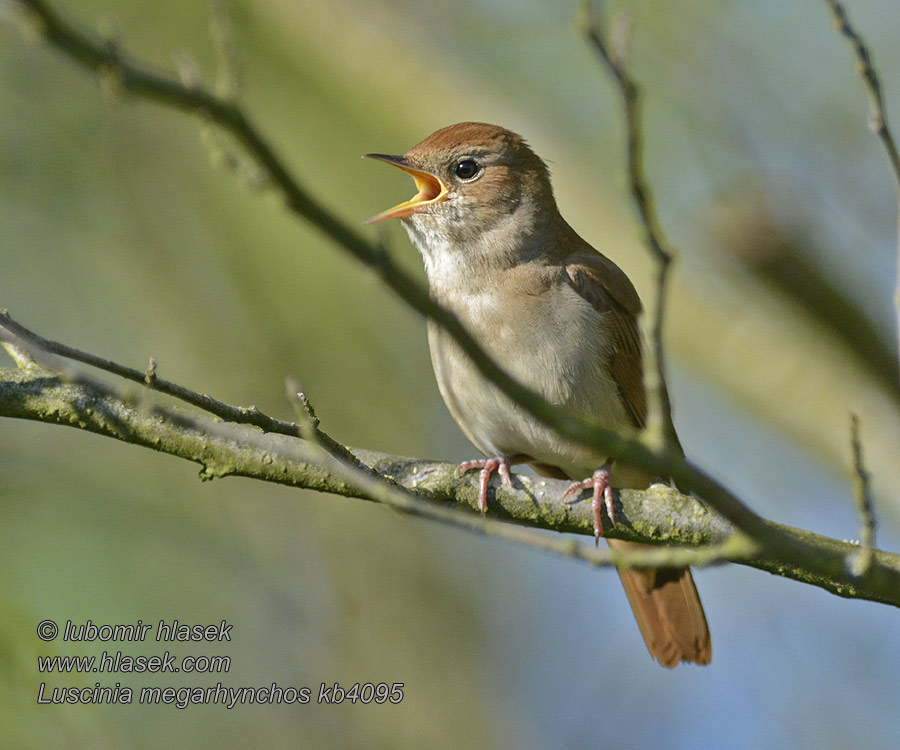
609	291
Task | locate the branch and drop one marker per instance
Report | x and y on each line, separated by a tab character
96	408
877	118
433	490
786	551
877	115
429	489
864	502
612	54
422	488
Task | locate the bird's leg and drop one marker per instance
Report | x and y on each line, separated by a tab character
500	464
599	482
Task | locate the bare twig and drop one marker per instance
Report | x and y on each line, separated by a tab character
864	502
239	414
877	118
612	52
227	85
303	408
877	113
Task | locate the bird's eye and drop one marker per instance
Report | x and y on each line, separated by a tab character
467	169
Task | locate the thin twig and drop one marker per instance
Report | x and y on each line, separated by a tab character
307	420
150	379
877	119
611	47
227	85
877	112
864	502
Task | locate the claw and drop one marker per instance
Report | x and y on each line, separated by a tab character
488	466
602	495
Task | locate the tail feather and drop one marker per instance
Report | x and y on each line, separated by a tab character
668	611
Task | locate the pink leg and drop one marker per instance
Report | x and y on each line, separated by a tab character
488	466
599	483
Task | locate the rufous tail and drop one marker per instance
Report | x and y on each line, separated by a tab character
668	611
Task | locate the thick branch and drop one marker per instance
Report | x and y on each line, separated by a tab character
657	515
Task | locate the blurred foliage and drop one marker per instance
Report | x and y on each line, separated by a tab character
123	237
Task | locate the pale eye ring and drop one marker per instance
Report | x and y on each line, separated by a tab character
467	169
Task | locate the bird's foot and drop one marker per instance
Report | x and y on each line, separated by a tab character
488	466
599	483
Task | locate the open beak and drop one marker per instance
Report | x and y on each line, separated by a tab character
431	189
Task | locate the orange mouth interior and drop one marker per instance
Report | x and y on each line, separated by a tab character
430	188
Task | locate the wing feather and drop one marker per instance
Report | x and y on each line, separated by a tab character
602	283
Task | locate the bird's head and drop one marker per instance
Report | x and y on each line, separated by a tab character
472	178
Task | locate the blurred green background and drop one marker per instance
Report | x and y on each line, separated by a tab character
120	236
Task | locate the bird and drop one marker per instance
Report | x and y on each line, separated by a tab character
558	316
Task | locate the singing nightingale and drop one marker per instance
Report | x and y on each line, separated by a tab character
555	314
